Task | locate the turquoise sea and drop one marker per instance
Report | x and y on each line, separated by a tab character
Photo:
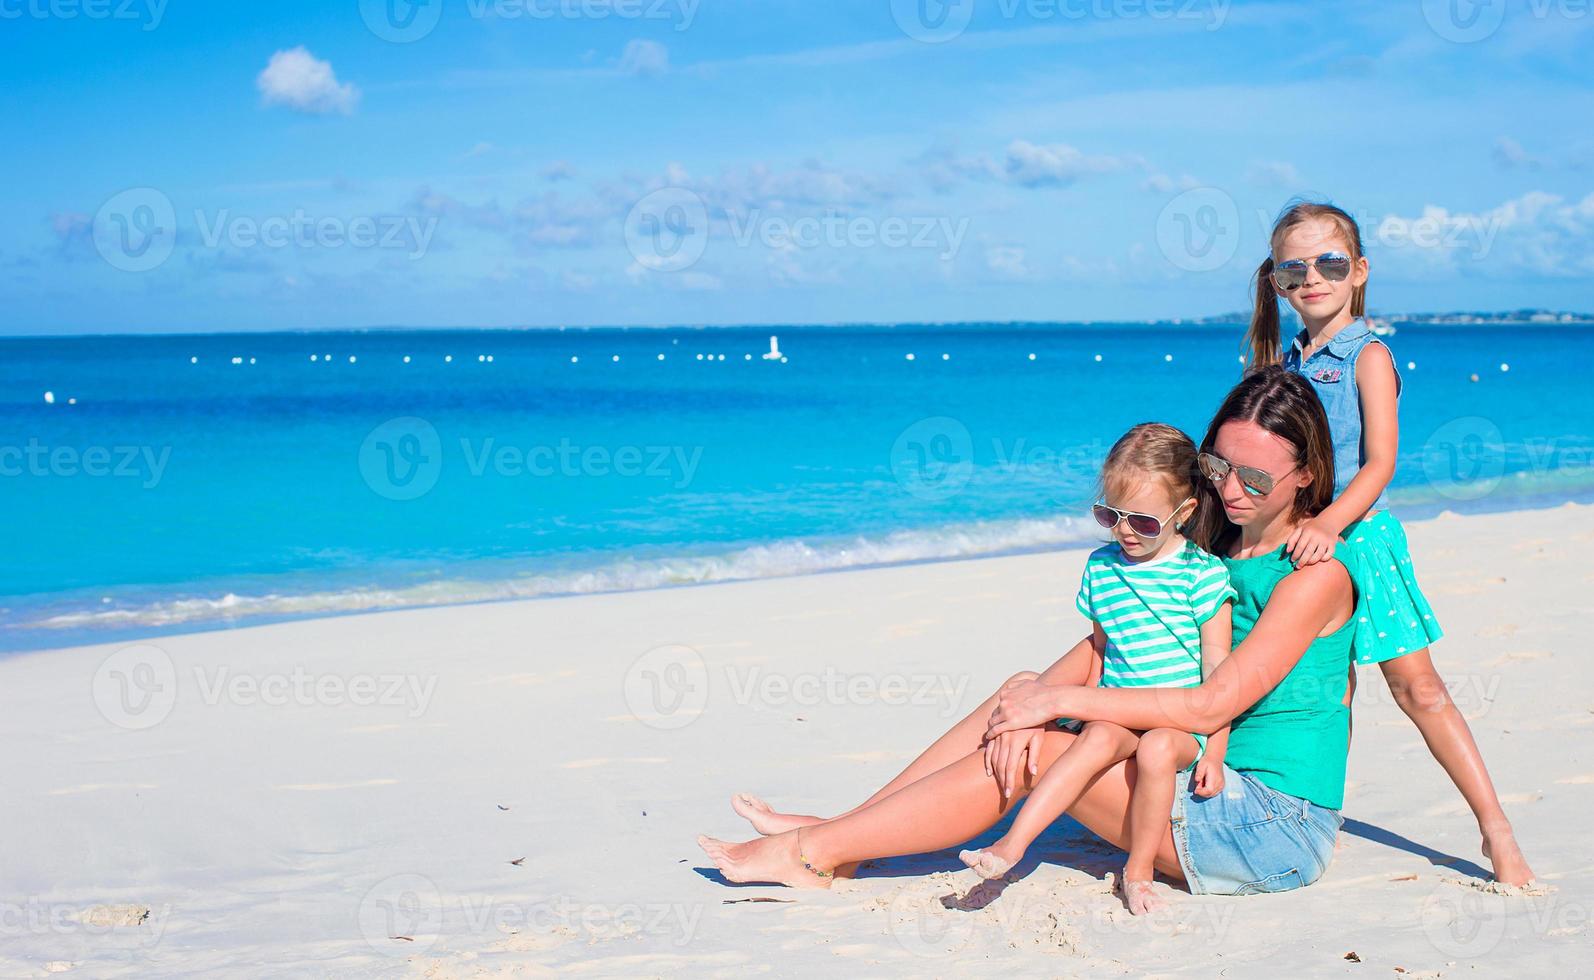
185	482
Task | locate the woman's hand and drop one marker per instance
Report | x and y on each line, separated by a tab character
1008	753
1208	776
1022	704
1311	542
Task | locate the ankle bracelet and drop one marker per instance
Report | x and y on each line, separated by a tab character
804	860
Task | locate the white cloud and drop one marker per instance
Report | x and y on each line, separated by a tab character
299	80
1273	173
1030	165
1164	184
1537	233
1509	154
644	58
1007	260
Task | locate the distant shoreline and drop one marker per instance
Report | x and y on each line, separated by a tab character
1547	318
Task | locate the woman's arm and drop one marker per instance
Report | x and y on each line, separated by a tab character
1303	605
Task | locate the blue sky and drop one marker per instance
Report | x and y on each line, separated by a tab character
185	166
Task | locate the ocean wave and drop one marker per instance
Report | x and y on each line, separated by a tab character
770	560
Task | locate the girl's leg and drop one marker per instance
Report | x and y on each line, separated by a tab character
945	808
1423	697
1162	753
964	737
1099	746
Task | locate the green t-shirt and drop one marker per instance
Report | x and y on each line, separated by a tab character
1296	737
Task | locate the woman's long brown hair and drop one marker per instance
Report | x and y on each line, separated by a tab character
1263	337
1283	403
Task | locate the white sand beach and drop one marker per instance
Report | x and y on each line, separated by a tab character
514	789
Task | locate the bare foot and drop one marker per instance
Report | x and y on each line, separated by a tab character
772	859
989	862
1510	867
764	818
1141	896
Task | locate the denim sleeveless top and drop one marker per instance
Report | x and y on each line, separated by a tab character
1332	373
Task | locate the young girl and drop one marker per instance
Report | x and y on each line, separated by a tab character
1318	266
1161	615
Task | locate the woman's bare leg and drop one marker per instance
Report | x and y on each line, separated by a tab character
1099	745
962	738
1422	695
1162	753
945	808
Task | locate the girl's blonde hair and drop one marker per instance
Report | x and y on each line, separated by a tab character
1150	449
1263	337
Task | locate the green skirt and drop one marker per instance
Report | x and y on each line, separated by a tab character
1393	616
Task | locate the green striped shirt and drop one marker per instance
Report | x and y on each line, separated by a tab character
1152	611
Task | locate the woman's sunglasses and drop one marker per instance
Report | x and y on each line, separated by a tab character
1291	273
1257	483
1143	525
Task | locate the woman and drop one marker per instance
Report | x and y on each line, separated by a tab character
1284	691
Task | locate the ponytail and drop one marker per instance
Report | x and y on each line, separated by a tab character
1263	337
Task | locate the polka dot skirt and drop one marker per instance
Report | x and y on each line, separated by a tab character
1393	617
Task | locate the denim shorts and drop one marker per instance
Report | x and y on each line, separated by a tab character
1250	839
